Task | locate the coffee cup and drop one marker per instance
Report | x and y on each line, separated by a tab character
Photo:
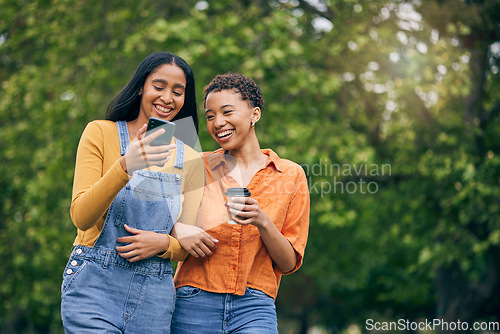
232	193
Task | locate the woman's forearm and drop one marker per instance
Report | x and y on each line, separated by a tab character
90	204
278	247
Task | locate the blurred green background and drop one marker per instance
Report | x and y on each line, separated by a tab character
392	108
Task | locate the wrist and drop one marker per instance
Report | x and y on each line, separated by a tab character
264	224
126	168
166	242
123	163
164	245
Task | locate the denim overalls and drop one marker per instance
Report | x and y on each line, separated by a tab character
104	293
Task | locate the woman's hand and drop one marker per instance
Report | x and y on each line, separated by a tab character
142	155
142	244
246	210
194	240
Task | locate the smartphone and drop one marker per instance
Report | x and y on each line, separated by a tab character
156	124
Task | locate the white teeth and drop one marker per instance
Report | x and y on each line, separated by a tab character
162	109
225	133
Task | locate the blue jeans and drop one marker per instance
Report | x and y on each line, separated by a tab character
120	300
199	312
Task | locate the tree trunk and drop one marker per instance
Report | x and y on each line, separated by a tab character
459	298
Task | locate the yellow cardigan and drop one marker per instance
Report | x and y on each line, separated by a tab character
99	177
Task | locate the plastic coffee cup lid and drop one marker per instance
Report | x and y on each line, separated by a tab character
238	192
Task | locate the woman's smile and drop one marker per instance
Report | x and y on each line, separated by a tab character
163	111
225	135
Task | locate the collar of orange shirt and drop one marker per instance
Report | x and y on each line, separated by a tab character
218	157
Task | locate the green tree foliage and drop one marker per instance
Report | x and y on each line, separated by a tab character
391	107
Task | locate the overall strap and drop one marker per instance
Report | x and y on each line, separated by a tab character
179	154
123	135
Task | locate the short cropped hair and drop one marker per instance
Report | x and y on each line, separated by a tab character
238	82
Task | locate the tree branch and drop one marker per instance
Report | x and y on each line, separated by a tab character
328	14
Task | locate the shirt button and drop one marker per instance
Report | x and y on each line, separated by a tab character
178	176
234	268
235	244
74	263
78	251
69	271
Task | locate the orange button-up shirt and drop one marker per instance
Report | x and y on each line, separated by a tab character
241	259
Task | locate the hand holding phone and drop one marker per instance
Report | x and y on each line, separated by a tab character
156	124
142	154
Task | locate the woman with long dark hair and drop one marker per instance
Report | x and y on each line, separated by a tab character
127	196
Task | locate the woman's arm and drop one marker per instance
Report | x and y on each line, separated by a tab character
186	237
286	247
93	190
193	239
